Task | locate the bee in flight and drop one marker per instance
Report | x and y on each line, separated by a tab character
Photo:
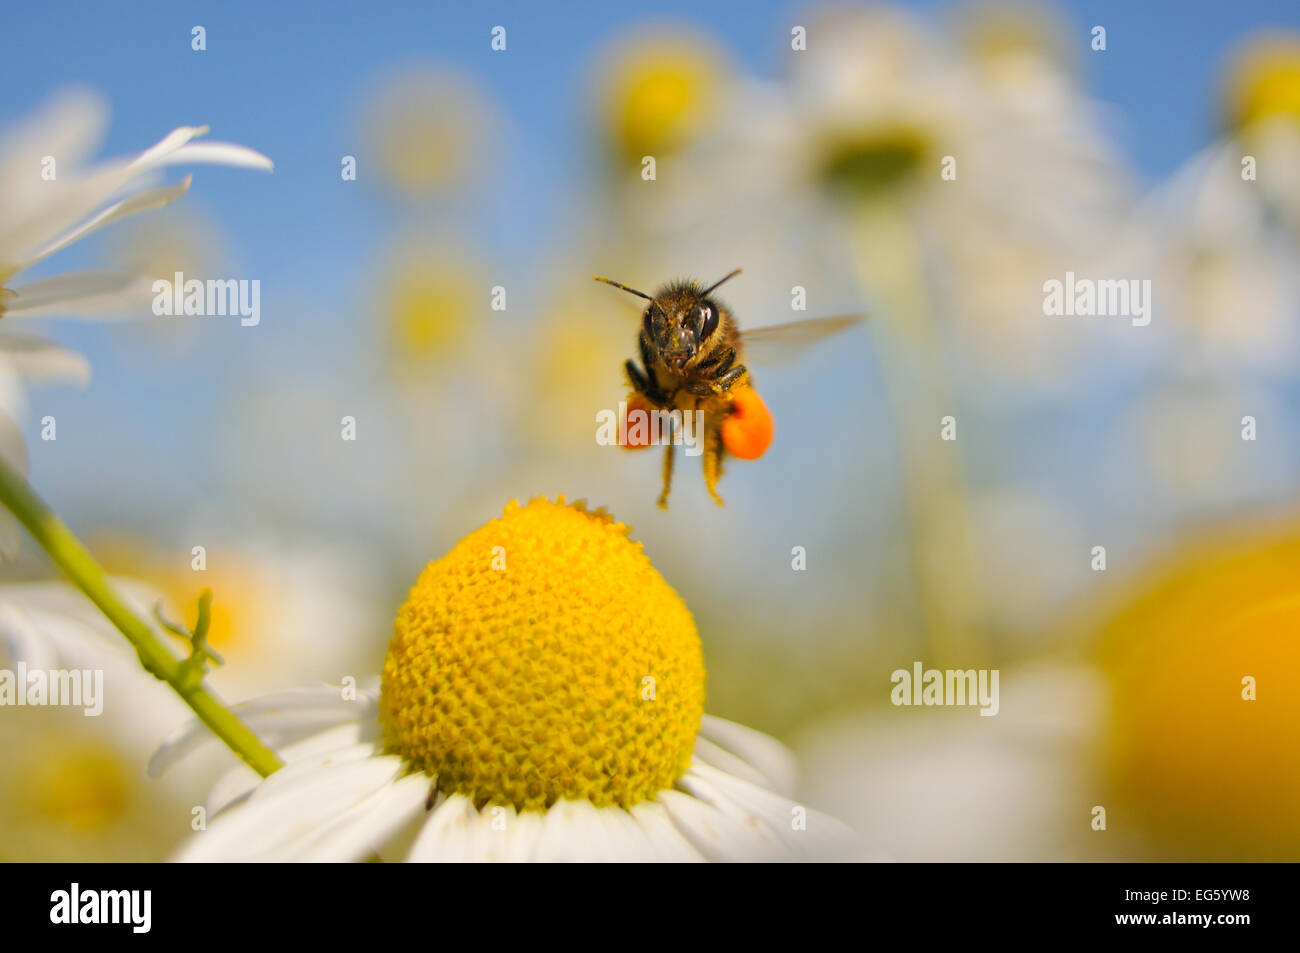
692	359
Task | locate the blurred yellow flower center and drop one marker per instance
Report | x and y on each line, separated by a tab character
1265	83
239	605
659	99
874	161
83	788
1205	673
428	311
544	658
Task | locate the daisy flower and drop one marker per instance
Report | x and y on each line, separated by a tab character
1230	221
72	791
48	625
542	699
1202	659
946	785
273	601
50	199
659	90
432	130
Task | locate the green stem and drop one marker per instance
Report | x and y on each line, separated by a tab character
889	266
72	557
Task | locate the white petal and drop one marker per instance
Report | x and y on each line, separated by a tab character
140	202
664	837
281	719
336	746
22	641
127	298
572	831
66	623
39	360
771	758
721	835
448	834
70	128
69	202
523	831
626	841
156	154
72	201
364	830
219	153
821	837
283	824
709	753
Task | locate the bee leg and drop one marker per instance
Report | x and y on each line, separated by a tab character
713	462
638	380
725	381
724	378
725	363
668	476
653	390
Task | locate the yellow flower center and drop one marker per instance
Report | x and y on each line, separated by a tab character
1264	82
877	160
544	658
84	788
239	606
428	306
1204	661
661	95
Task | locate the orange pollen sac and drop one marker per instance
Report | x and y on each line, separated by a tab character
638	436
747	431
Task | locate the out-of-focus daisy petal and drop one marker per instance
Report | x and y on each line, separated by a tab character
140	202
73	290
69	128
37	359
278	719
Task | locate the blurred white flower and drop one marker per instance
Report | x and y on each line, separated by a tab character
283	611
50	626
945	784
1230	225
992	152
433	132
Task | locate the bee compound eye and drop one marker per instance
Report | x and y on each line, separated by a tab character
708	320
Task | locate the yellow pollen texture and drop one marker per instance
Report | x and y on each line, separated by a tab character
542	659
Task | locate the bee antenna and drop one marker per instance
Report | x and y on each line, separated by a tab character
727	277
620	285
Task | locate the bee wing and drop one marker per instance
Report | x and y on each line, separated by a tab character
794	337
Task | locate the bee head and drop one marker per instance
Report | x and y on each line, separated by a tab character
679	320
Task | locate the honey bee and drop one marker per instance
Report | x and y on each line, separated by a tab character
692	359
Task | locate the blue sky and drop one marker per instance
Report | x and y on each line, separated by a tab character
284	78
